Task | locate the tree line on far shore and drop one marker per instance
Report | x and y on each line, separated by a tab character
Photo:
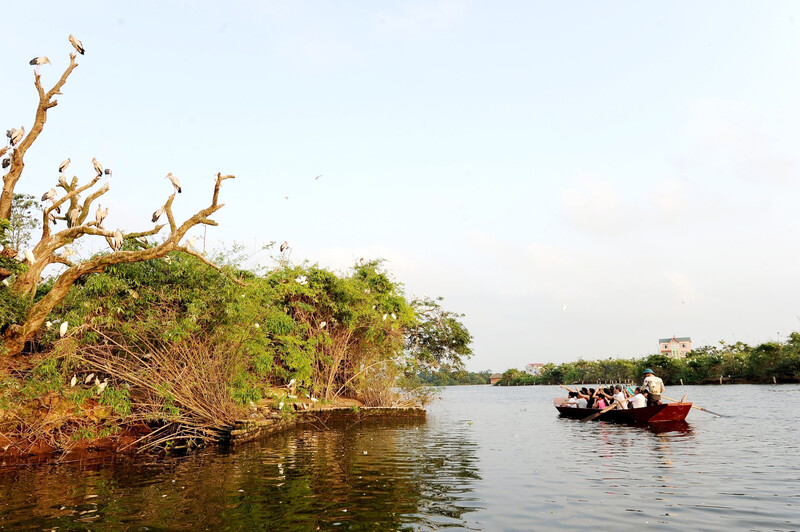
770	362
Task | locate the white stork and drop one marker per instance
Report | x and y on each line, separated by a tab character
174	181
15	135
158	213
100	214
78	45
49	195
97	167
74	214
118	238
63	165
39	61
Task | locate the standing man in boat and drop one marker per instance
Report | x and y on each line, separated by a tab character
653	386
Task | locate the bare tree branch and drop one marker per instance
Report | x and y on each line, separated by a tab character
17	163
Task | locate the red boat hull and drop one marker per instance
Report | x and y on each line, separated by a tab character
663	413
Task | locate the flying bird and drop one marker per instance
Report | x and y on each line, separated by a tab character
63	165
73	216
39	61
118	240
174	181
158	213
284	246
100	214
78	45
316	178
49	195
97	167
63	329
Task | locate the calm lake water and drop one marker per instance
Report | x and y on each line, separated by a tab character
486	458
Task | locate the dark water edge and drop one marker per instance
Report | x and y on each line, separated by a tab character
487	458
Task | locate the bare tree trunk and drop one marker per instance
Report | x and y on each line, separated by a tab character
16	335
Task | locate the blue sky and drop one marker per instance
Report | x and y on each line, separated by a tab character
635	162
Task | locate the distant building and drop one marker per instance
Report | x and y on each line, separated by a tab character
675	347
534	368
494	378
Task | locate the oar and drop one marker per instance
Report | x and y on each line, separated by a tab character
603	411
693	406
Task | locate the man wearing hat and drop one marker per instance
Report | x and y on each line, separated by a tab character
653	386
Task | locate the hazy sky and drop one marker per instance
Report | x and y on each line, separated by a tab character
579	178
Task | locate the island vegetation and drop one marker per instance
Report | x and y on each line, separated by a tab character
770	362
153	342
447	375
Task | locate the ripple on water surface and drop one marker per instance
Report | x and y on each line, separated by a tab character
487	458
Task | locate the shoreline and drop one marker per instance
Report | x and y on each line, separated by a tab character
258	425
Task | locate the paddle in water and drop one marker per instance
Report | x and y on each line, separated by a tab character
693	406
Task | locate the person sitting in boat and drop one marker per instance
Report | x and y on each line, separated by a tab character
620	398
600	400
572	402
592	398
638	399
653	386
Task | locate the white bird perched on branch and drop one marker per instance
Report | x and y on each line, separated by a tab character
39	61
74	214
15	135
63	165
78	45
284	246
63	329
49	195
158	213
100	214
174	181
51	218
29	257
62	181
97	166
118	238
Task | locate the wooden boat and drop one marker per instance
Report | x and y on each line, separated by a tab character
663	413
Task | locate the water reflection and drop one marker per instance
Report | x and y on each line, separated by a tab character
485	459
373	475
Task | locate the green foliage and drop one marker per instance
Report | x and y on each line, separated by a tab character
447	376
25	211
118	400
736	362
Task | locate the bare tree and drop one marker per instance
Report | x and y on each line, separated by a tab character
50	248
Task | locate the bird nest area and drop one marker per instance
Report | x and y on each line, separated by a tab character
119	396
